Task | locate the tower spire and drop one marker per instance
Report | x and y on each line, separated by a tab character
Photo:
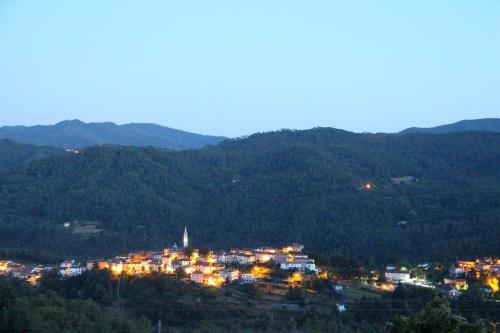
185	239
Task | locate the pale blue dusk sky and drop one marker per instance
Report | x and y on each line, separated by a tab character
238	67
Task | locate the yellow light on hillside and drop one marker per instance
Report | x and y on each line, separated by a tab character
367	186
295	278
261	272
265	258
214	281
493	283
33	279
117	269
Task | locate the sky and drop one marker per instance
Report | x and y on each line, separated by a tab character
237	67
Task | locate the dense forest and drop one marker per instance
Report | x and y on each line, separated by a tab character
97	302
13	153
273	188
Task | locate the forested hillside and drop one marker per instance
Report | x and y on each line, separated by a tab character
272	188
13	153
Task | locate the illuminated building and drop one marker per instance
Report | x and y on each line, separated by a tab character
397	275
261	272
492	282
247	278
212	280
70	268
4	267
117	268
185	240
295	279
230	275
298	262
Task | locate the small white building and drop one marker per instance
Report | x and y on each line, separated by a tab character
395	275
454	293
70	268
185	262
230	275
457	271
300	263
295	247
41	269
225	258
247	278
197	277
245	259
340	307
157	256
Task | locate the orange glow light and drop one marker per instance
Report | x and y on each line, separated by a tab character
261	272
492	282
295	278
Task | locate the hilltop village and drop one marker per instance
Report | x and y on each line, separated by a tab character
280	268
206	267
202	266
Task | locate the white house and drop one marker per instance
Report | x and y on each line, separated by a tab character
245	259
454	293
396	275
230	275
197	277
225	258
340	307
247	278
300	263
70	268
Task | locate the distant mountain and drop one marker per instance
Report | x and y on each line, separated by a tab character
476	125
13	153
77	134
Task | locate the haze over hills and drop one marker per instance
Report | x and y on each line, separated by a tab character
77	134
486	125
269	188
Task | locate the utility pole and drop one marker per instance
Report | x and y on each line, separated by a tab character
494	324
118	291
158	327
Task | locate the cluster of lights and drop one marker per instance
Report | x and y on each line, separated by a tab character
261	272
493	283
295	279
4	266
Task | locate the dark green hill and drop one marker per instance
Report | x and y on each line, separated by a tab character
271	188
13	153
476	125
77	134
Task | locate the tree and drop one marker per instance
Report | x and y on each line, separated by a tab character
435	317
296	295
204	251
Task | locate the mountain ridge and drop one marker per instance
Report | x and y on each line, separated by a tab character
78	134
484	124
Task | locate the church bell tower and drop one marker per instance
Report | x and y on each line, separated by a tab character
185	240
